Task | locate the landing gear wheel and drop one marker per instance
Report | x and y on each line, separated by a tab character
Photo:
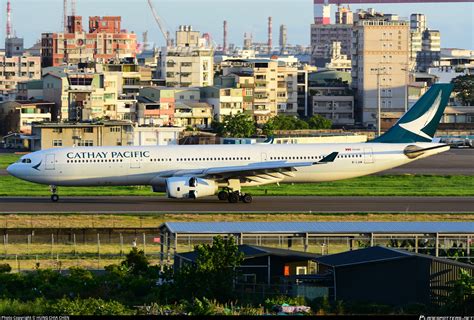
247	198
54	198
223	196
234	197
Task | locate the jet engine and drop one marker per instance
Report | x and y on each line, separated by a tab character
190	187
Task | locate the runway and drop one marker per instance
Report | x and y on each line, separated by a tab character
136	205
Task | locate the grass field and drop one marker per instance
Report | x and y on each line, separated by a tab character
388	185
13	221
8	158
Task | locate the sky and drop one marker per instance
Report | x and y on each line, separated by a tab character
31	17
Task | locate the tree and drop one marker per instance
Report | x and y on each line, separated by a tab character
464	88
136	262
213	272
284	122
460	298
318	122
240	125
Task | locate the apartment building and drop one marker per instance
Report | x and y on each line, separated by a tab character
133	76
18	116
331	96
224	101
425	45
17	69
323	36
158	111
287	86
190	63
105	40
264	75
380	66
193	114
83	94
54	135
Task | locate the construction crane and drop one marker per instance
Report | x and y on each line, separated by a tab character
159	22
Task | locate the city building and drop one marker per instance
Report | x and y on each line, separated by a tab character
30	90
18	116
156	136
193	114
425	44
338	61
323	36
100	134
224	101
14	47
331	96
287	86
380	67
133	75
105	40
17	69
190	63
83	94
259	78
304	104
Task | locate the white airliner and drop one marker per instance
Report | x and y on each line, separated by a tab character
202	171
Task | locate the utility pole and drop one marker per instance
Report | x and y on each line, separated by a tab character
379	111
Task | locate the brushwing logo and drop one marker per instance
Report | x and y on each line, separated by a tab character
37	166
416	126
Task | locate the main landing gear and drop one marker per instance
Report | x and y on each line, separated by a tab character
54	195
234	197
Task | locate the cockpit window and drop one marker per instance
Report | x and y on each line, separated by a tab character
26	160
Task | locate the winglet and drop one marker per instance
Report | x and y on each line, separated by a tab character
329	158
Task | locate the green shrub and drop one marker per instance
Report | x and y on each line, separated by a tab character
20	308
5	268
89	307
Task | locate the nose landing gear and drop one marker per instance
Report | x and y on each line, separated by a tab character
54	191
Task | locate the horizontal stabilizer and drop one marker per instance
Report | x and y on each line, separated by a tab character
413	151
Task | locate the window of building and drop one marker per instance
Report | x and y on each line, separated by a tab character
86	143
57	130
88	130
57	143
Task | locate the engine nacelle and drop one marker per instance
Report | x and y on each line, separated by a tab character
190	187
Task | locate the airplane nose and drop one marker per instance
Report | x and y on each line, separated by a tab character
11	170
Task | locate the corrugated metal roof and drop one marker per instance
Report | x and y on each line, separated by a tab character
320	227
250	251
365	255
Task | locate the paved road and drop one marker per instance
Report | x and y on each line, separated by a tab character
261	204
453	162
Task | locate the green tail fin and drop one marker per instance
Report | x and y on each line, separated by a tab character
420	123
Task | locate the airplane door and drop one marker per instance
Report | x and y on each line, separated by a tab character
264	157
50	162
368	156
135	163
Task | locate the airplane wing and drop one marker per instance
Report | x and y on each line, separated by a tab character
273	170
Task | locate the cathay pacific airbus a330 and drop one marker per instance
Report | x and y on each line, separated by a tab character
202	171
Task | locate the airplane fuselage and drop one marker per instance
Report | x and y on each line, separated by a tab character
104	166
